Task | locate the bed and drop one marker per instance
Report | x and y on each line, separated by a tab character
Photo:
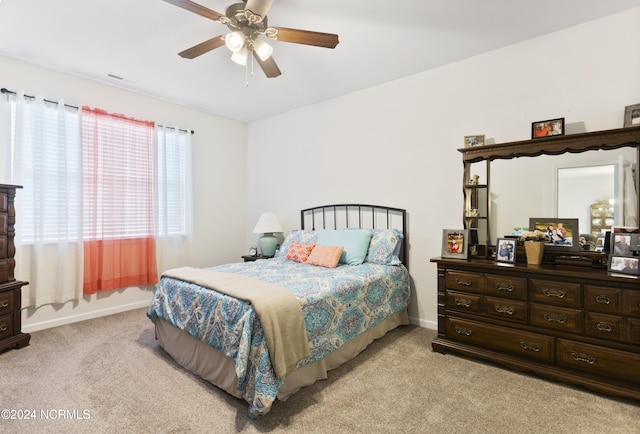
262	330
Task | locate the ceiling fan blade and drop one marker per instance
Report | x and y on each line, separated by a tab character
203	47
268	66
259	7
196	8
306	37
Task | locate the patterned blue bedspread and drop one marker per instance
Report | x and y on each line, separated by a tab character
338	304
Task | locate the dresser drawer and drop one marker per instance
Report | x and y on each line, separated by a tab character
6	326
560	293
7	302
631	302
597	360
503	308
517	342
601	299
604	326
506	286
559	318
467	282
464	302
633	330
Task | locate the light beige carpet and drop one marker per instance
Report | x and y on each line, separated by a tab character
109	375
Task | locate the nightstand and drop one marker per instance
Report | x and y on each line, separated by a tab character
249	258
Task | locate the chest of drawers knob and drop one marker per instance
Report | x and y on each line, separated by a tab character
501	287
4	304
530	346
463	330
552	292
463	282
604	327
603	299
554	317
508	310
583	357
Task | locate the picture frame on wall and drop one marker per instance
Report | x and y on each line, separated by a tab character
455	243
632	115
551	127
562	234
506	250
476	140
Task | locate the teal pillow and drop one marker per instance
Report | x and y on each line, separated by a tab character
354	241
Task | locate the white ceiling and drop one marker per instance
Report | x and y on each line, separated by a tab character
380	40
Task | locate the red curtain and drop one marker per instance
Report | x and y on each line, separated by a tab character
118	185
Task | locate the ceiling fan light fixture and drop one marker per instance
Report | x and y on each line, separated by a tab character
234	41
262	49
240	56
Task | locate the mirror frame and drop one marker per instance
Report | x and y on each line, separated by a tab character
556	145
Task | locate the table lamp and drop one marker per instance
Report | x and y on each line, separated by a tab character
267	225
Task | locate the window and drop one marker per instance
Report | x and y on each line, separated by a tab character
172	151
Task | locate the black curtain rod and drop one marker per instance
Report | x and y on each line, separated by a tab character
179	129
11	92
7	91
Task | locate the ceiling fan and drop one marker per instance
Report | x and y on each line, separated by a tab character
247	21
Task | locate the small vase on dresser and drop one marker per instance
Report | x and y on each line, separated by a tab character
11	335
534	251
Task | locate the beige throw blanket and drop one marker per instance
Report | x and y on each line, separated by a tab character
278	309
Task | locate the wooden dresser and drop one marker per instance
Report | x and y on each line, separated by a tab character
11	335
569	324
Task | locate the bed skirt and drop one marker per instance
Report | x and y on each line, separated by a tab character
218	369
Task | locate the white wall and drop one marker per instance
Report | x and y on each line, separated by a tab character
220	182
395	144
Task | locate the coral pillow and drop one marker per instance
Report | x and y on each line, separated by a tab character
325	256
299	252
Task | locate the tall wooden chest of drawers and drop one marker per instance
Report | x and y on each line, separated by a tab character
11	335
572	325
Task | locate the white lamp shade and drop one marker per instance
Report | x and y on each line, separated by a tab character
263	50
234	41
267	223
240	56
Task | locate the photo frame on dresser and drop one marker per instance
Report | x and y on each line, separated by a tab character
562	234
506	250
625	251
455	243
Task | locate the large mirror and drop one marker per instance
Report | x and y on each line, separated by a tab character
562	186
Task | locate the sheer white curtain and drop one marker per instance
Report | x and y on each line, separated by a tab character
47	163
174	198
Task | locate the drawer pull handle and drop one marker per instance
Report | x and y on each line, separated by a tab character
553	317
501	308
582	357
463	282
604	327
463	302
3	327
463	330
4	303
603	299
501	287
552	292
530	346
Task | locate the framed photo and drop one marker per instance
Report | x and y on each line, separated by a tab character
506	250
455	243
552	127
562	234
477	140
625	242
624	265
632	115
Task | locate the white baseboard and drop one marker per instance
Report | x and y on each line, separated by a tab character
424	323
83	316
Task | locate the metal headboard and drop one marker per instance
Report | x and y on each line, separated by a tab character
345	216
